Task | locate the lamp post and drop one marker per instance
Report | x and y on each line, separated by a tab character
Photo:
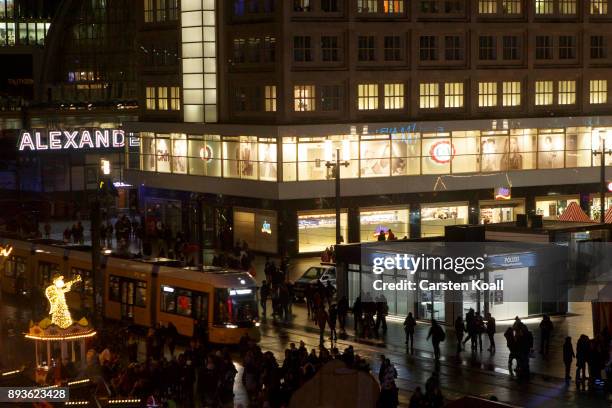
334	171
96	277
602	151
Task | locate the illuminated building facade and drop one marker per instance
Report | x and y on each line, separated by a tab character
435	105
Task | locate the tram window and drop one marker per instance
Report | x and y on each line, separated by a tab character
141	294
168	300
183	303
200	306
46	270
14	266
114	292
86	285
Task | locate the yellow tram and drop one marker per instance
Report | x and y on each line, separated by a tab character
143	293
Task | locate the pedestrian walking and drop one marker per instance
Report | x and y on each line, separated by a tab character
357	314
437	335
343	308
512	347
583	351
264	293
322	318
491	329
568	356
333	315
459	330
409	325
546	328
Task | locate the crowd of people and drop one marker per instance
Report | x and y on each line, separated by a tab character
370	315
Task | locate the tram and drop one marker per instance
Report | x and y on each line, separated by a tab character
141	292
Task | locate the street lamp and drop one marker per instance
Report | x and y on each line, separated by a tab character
333	171
602	151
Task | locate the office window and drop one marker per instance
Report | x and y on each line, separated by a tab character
453	6
487	94
393	48
367	6
544	6
330	98
149	11
394	96
511	6
367	96
429	96
253	49
487	6
366	46
329	6
161	10
254	99
428	50
239	51
302	51
453	95
598	47
544	48
270	98
150	98
329	48
240	99
304	98
599	7
452	48
162	98
567	6
567	47
269	48
511	93
486	48
429	6
173	10
566	94
175	98
543	93
302	5
511	47
393	6
598	91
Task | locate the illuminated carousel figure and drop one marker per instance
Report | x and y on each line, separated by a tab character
60	315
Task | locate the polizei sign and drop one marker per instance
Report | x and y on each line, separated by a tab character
42	139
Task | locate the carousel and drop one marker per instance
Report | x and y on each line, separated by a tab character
57	338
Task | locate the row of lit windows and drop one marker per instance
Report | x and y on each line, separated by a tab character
541	7
23	33
163	98
490	94
160	10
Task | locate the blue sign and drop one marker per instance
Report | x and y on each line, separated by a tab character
524	260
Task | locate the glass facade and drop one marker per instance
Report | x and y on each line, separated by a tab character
378	155
492	212
435	217
550	208
373	221
317	230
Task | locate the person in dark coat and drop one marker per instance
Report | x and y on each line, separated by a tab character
568	356
333	316
343	308
437	335
546	328
491	329
583	350
459	330
409	325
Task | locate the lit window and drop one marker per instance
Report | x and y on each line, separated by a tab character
394	96
270	98
175	98
367	6
543	93
304	98
487	94
149	11
150	98
511	6
453	95
301	5
487	6
511	93
566	92
598	91
599	6
162	98
161	10
394	6
367	96
429	96
567	6
544	6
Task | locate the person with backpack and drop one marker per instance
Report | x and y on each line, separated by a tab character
409	325
437	335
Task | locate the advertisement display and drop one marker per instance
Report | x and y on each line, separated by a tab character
258	228
434	217
496	211
317	230
373	221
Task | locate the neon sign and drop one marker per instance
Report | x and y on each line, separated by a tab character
42	139
442	152
502	193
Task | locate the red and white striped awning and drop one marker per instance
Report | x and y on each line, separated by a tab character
574	213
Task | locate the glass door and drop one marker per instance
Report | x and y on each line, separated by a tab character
127	300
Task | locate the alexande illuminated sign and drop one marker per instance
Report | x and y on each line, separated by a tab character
43	139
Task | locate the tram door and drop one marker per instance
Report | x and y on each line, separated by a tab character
127	299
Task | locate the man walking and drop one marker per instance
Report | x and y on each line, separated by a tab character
437	336
409	325
491	332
